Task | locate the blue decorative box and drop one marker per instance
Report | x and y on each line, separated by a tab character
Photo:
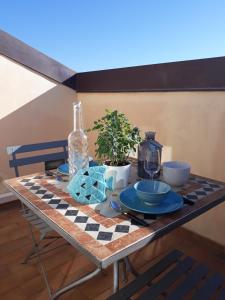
89	185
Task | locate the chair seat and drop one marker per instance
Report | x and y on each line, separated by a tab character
173	278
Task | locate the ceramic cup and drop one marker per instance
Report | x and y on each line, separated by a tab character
176	173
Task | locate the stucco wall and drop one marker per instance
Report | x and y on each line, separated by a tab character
33	109
190	125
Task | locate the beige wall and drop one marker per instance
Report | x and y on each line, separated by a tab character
190	125
33	109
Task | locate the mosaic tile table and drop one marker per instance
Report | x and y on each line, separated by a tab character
107	240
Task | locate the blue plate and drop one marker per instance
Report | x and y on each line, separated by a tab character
171	202
64	168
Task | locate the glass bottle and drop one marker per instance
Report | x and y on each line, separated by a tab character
148	143
77	143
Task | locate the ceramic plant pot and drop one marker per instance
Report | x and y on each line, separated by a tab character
120	175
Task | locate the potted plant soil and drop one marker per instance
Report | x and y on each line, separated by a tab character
116	139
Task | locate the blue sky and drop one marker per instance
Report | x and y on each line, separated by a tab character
100	34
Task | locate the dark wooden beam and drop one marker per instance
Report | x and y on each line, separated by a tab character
35	60
193	75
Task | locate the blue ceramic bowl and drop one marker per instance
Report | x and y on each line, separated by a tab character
152	191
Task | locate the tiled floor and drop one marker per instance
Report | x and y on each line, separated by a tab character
23	282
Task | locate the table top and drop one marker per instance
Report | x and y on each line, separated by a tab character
105	240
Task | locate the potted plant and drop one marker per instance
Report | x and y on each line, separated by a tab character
116	139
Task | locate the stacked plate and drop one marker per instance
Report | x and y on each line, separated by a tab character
151	197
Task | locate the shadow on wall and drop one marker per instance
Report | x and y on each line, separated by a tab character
45	118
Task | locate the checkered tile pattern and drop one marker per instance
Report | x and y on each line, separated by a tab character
96	230
99	232
207	187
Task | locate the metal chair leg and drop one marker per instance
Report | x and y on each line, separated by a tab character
115	276
35	245
124	271
129	266
32	254
60	291
29	255
44	234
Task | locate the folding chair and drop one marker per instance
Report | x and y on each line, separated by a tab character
51	161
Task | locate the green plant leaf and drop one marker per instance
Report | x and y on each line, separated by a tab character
116	137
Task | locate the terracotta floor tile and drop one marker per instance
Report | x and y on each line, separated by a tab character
57	257
4	271
97	285
11	246
41	295
77	266
23	272
74	294
16	294
11	258
8	283
33	286
104	295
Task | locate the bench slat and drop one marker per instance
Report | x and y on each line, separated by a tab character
189	282
127	291
209	287
222	295
193	275
156	289
130	289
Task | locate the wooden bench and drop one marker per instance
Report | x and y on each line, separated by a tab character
175	277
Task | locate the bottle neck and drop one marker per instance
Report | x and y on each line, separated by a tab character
150	135
77	117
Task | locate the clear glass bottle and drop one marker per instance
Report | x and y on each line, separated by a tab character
77	143
148	143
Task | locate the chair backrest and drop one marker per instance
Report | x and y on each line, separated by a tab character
50	157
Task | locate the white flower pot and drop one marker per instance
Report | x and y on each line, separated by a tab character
120	175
